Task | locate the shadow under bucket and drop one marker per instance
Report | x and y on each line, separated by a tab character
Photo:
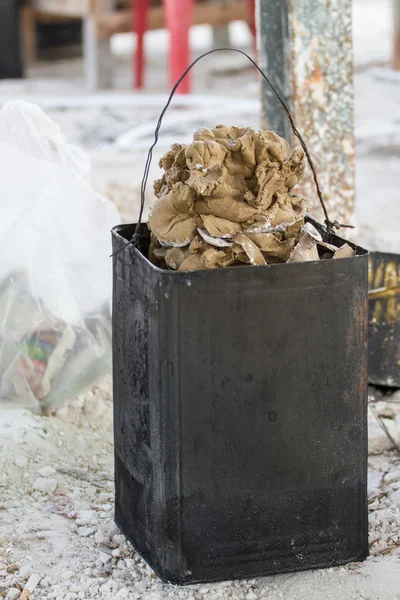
240	401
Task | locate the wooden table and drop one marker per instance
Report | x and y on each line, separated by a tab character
104	18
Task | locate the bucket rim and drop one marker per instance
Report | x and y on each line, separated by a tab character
361	253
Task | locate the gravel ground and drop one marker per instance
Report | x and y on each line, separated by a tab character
56	519
56	472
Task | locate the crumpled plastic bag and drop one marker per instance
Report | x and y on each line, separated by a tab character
55	271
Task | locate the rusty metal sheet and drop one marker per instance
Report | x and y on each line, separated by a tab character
306	48
384	319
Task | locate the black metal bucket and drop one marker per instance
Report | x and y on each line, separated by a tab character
384	319
240	414
10	43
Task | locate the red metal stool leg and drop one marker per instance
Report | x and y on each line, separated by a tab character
179	18
140	11
252	23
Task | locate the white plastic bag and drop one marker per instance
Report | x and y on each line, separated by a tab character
55	271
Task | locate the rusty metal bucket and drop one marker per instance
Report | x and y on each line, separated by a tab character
384	319
240	414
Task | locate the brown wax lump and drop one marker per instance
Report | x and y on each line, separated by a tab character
226	199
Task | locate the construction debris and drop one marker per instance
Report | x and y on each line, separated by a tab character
227	199
29	587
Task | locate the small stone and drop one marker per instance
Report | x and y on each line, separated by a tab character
85	531
25	571
113	530
116	553
21	462
100	538
395	498
45	485
13	594
395	397
104	557
387	412
251	596
123	593
86	517
119	539
67	574
46	471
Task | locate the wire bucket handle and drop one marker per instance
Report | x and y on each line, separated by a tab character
330	225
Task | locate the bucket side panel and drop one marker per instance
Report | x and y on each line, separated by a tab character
135	439
272	393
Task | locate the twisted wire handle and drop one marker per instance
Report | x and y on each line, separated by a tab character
331	225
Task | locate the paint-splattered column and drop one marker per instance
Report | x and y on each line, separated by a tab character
305	46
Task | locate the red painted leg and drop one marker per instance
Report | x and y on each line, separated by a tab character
140	11
179	18
252	23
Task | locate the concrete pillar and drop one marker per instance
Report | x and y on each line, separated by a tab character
305	47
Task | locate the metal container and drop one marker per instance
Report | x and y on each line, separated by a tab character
10	43
384	319
240	414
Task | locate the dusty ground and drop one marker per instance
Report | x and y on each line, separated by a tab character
56	519
75	548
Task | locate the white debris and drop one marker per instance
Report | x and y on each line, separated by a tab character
21	462
32	582
46	471
25	571
46	485
85	531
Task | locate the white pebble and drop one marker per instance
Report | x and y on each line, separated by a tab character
21	462
123	593
13	594
67	574
86	517
395	497
113	530
116	552
130	563
104	557
88	572
251	596
25	571
45	485
46	471
85	531
119	539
